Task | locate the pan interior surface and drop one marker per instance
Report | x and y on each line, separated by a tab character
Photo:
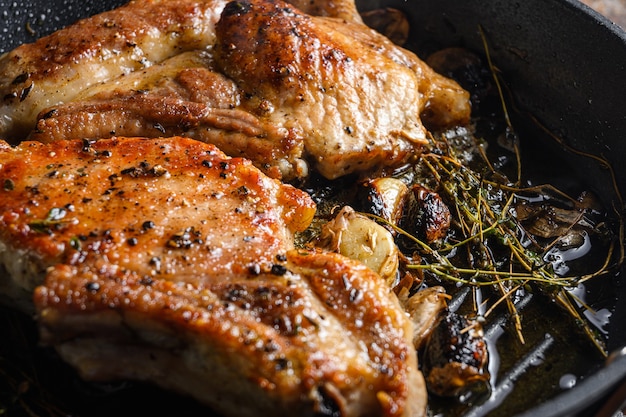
563	63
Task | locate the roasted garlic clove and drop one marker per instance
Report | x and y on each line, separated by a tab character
455	358
426	216
425	308
384	197
358	237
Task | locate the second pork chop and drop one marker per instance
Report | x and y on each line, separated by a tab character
286	89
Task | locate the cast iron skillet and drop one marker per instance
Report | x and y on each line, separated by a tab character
563	62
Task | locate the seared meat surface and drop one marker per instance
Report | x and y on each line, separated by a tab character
56	68
155	206
164	260
353	107
276	343
183	95
278	86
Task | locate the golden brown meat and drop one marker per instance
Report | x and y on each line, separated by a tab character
285	88
354	108
183	95
318	335
56	68
153	205
331	66
164	260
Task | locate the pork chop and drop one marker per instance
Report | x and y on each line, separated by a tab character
57	68
278	86
166	261
183	95
152	205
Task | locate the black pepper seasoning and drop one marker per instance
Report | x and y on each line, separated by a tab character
9	185
254	269
278	269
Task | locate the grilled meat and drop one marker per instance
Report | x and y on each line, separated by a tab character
153	205
321	338
183	95
56	68
354	107
164	260
277	86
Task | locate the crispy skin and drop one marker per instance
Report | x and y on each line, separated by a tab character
164	260
281	88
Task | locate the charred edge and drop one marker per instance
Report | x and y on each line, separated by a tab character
236	8
327	405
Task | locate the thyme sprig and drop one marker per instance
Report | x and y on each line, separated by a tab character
486	222
54	219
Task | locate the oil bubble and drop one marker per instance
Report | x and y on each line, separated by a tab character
567	381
